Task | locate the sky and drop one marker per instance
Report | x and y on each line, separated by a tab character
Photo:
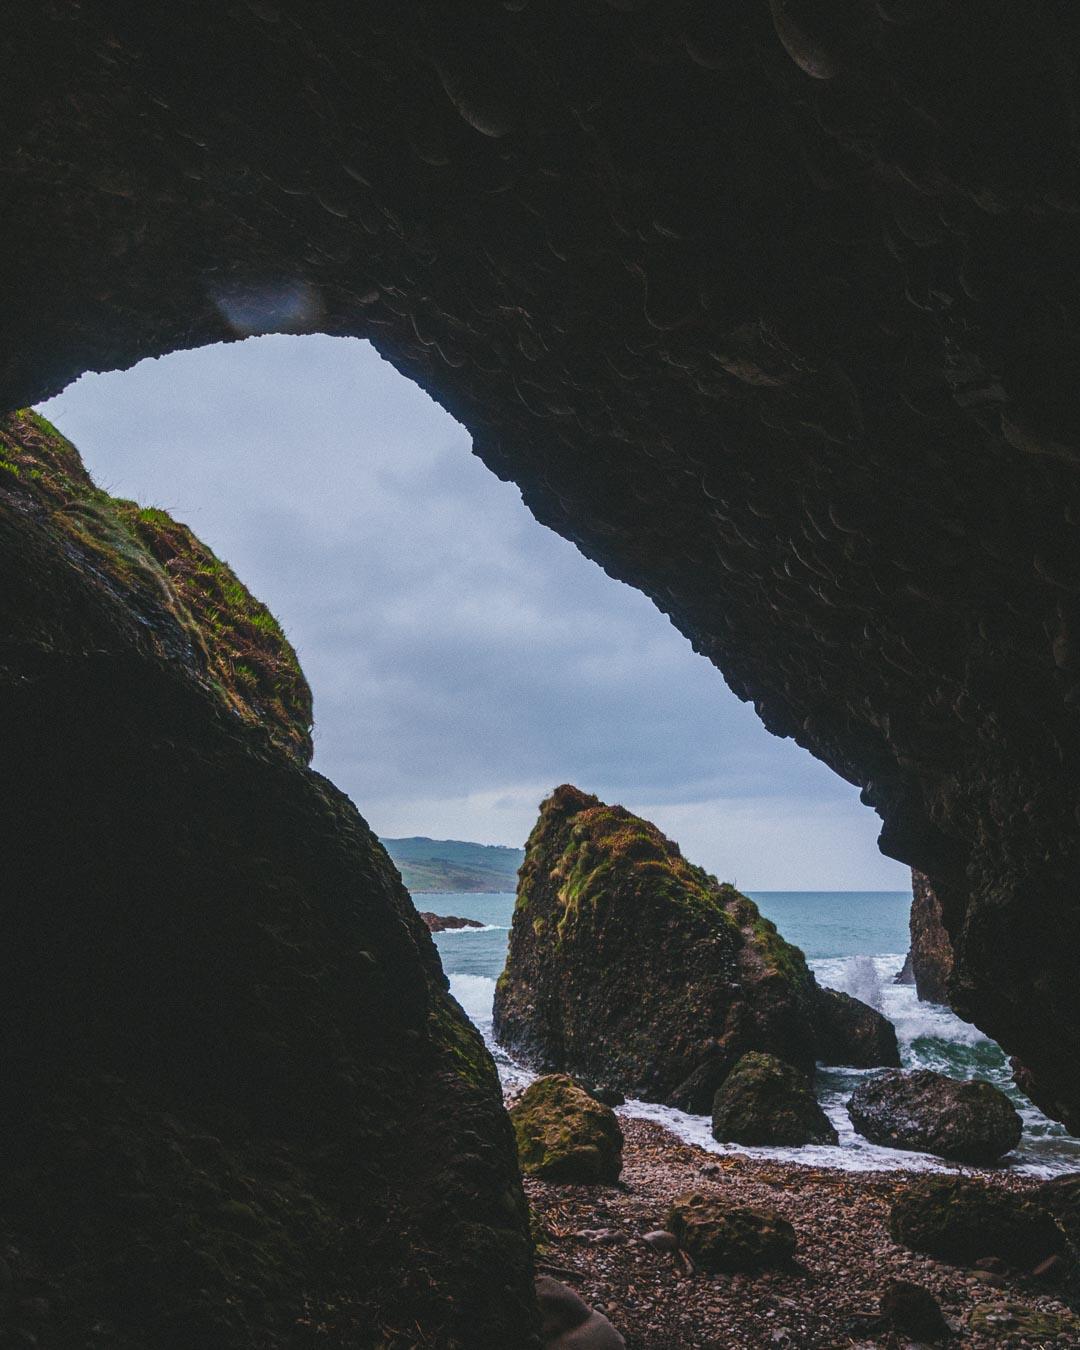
464	659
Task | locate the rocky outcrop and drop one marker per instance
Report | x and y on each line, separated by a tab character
237	1099
630	967
962	1220
765	1101
442	923
563	1134
850	1032
972	1122
929	961
722	1238
913	1311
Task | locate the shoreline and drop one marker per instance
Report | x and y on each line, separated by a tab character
590	1238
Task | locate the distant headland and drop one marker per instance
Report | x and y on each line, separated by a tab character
454	864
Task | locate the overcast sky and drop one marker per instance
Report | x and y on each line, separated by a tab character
464	659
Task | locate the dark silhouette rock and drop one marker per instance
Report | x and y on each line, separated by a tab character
914	1311
960	1220
567	1321
721	1238
236	1093
965	1121
563	1134
629	966
850	1032
765	1101
1061	1196
441	923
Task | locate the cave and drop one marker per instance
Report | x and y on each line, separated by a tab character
772	310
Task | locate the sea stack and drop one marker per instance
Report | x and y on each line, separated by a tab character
631	968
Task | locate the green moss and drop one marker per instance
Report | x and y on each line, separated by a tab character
563	1134
452	1029
167	577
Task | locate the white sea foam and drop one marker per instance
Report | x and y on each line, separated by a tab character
484	928
475	993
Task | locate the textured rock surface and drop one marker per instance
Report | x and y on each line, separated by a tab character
765	1101
913	1310
1061	1196
850	1032
971	1122
930	958
780	327
238	1106
961	1220
631	967
724	1238
563	1134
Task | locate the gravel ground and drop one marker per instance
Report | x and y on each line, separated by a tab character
591	1239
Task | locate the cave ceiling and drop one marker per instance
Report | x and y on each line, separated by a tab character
772	309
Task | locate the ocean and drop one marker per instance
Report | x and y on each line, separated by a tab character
854	941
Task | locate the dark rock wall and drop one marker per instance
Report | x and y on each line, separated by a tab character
238	1108
777	319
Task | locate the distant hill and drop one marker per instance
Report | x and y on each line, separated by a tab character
454	864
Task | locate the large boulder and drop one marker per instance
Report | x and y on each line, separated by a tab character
568	1323
851	1033
960	1219
630	966
1061	1197
965	1121
563	1134
722	1238
765	1101
237	1099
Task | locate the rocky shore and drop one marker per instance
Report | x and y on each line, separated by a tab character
591	1237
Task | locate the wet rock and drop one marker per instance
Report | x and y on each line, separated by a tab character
960	1220
721	1238
563	1134
913	1310
928	1112
850	1032
1061	1196
568	1323
441	923
630	967
765	1101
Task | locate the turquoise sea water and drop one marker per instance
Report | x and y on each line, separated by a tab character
854	941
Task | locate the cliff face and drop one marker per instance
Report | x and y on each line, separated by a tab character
634	969
931	955
773	310
239	1108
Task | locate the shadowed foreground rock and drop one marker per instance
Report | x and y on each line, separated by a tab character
962	1220
630	967
850	1032
765	1101
972	1122
568	1323
239	1108
563	1134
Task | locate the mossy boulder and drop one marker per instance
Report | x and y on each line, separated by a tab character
631	967
239	1107
851	1033
193	609
1013	1323
960	1219
722	1238
765	1101
964	1121
563	1134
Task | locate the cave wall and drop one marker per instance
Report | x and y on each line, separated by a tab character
772	309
